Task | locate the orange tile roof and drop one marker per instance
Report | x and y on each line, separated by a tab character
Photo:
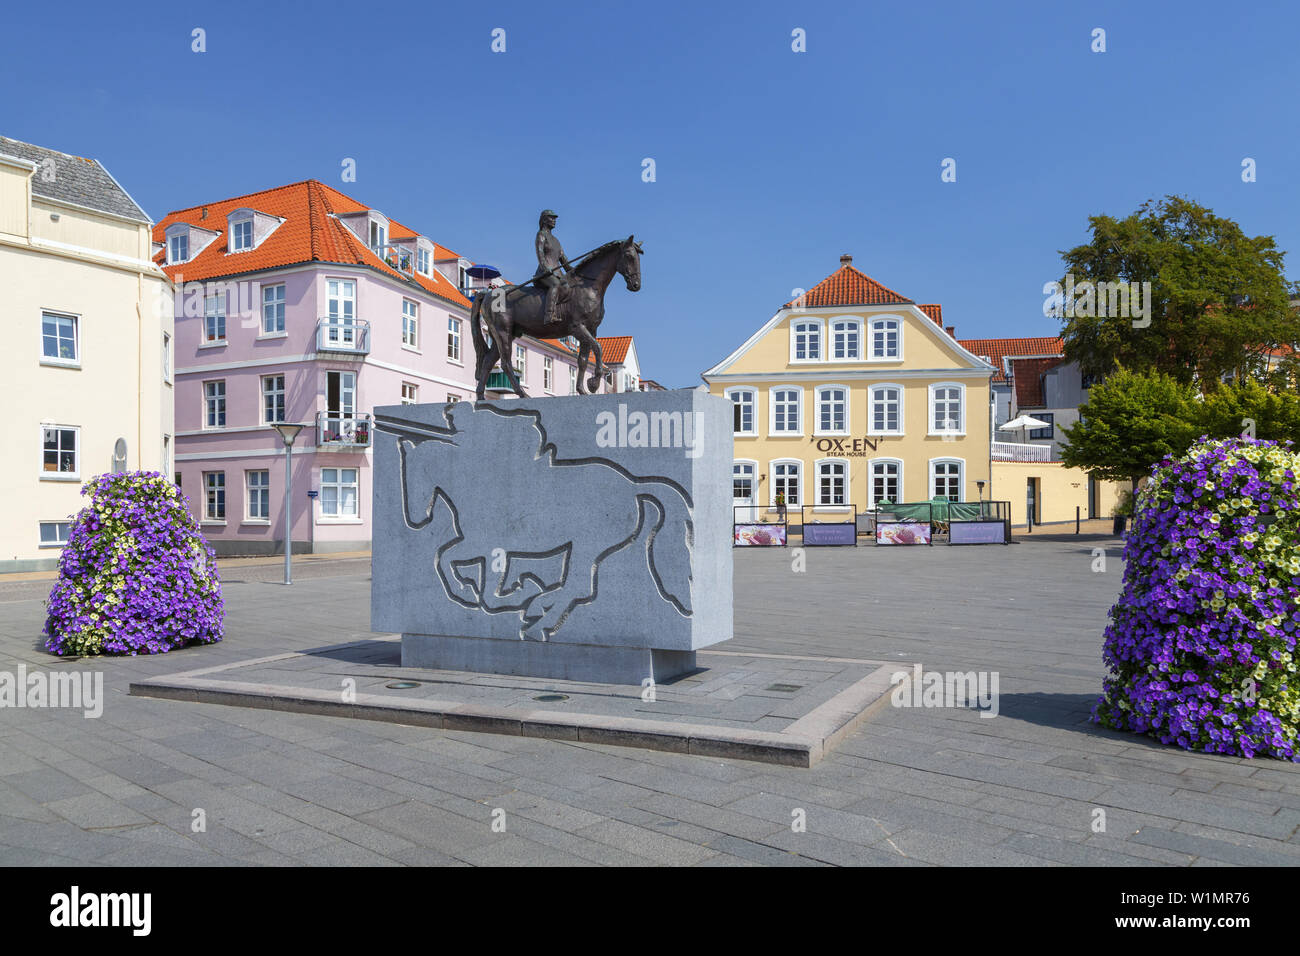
935	312
848	286
1027	379
614	348
998	349
311	232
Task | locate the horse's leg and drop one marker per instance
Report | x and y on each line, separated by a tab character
504	340
485	363
582	368
589	341
458	589
546	611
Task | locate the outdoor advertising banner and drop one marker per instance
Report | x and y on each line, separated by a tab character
827	534
977	532
760	535
902	532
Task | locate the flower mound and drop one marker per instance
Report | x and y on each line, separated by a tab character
135	577
1201	643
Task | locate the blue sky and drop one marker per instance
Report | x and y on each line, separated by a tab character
769	163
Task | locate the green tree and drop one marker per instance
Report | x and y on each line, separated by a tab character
1245	407
1131	421
1218	298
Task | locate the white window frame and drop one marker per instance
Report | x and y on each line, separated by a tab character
262	490
753	418
771	482
453	398
871	479
236	225
753	489
339	485
75	361
548	373
423	260
871	338
454	326
282	391
961	474
208	517
794	340
832	332
75	474
573	380
173	241
410	325
871	409
219	298
410	393
58	542
822	505
772	430
279	305
521	363
817	410
167	358
208	399
960	430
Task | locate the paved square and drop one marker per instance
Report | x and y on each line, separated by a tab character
907	787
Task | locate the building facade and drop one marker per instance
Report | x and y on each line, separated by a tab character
301	304
853	395
88	383
1033	378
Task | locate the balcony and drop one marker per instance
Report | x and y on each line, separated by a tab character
397	257
1015	451
334	430
334	334
498	381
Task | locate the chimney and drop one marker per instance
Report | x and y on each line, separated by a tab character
204	213
951	330
846	260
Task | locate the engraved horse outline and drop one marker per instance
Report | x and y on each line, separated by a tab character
516	439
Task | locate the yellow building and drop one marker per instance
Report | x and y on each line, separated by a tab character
88	321
853	394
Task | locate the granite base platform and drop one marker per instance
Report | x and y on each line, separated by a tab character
771	708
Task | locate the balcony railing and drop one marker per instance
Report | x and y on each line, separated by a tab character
498	382
398	257
334	334
1014	451
337	430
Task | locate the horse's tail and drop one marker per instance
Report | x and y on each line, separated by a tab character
670	541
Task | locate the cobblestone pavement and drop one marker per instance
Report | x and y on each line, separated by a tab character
910	787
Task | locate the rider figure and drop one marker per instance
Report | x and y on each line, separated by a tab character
550	257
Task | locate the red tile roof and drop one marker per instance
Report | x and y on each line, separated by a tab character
935	312
848	286
1027	379
614	348
996	350
311	232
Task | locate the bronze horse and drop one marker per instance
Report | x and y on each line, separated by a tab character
511	311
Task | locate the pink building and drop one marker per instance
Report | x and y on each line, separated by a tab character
301	304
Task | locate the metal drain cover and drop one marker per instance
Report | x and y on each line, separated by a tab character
549	698
785	688
402	684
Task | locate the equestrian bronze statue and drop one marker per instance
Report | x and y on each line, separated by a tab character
507	312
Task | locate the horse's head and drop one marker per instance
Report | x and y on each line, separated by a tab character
629	264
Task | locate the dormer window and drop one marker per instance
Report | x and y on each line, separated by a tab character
178	248
241	235
423	261
378	236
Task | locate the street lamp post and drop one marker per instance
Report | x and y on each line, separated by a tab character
288	431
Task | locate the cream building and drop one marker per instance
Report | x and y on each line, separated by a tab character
88	366
850	395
